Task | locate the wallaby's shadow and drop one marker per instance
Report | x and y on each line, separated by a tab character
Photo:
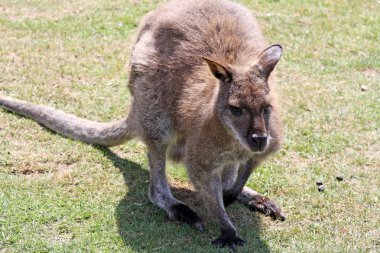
144	227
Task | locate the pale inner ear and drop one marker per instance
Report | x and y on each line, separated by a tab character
269	58
218	70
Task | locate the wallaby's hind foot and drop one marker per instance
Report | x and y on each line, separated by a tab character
259	203
177	211
184	214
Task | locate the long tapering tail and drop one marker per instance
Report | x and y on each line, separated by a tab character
92	132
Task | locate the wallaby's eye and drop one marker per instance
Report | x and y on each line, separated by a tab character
236	111
267	109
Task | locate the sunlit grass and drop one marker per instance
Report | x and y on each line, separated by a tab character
64	196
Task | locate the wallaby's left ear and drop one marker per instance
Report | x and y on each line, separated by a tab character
268	59
220	71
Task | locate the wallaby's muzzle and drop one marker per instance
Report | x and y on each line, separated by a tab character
257	143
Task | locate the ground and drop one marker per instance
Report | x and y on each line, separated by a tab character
59	195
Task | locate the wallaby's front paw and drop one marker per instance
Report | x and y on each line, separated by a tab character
185	214
230	239
266	206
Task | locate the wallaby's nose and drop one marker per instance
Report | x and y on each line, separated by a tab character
259	142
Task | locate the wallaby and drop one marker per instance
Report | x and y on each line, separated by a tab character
203	94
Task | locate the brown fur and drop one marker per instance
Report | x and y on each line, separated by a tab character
203	95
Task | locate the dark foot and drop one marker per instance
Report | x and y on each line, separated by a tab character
185	214
266	206
230	239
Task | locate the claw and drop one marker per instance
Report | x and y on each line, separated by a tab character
241	242
229	239
219	243
282	217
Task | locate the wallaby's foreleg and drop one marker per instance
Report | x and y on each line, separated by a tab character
250	198
211	188
245	170
229	176
161	196
257	202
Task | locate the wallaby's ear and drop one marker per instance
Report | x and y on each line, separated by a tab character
268	59
218	70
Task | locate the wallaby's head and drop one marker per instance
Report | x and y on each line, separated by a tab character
245	103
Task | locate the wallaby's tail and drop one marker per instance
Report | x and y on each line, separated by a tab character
92	132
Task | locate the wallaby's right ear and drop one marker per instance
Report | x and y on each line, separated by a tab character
218	70
268	59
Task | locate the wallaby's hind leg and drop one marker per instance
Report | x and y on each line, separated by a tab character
156	131
161	196
257	202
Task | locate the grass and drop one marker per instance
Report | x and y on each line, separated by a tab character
59	195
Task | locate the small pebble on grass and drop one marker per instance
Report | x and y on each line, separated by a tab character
321	188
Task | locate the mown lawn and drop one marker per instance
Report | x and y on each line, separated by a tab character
59	195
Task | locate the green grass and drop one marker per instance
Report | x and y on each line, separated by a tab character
59	195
